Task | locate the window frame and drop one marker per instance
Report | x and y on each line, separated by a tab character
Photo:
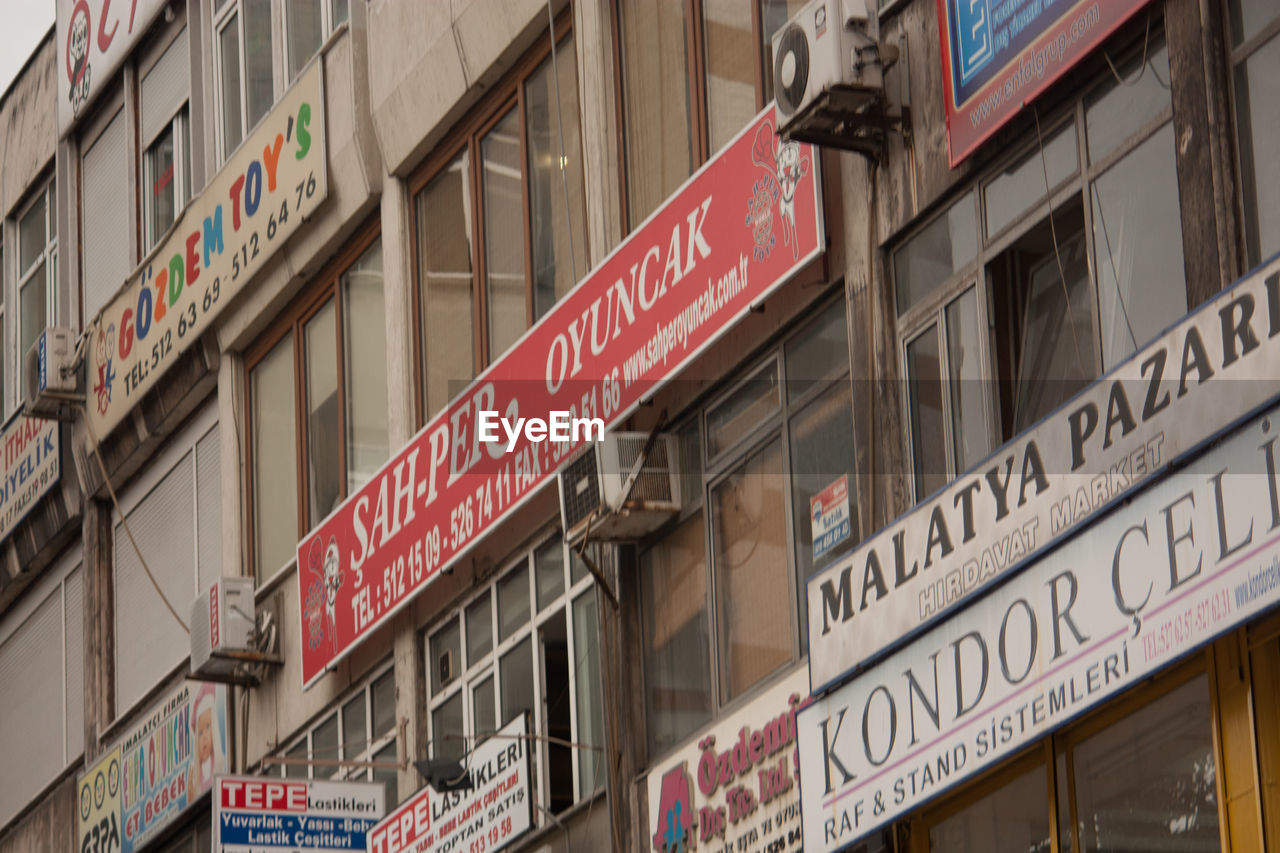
47	260
323	290
467	137
488	666
1076	191
180	126
717	467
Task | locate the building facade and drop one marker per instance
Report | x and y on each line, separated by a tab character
301	247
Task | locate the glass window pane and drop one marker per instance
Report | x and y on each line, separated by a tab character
297	769
731	70
479	630
324	745
586	656
260	90
773	15
970	435
559	234
1258	116
365	371
1057	335
513	603
275	478
548	563
819	351
1116	114
482	708
323	475
517	682
1148	782
303	30
750	534
387	776
943	248
447	733
161	186
689	439
1023	184
577	568
504	230
822	462
924	402
31	235
355	735
229	51
655	94
446	656
677	650
340	12
444	274
1012	819
384	704
52	203
33	315
1249	16
1137	240
745	409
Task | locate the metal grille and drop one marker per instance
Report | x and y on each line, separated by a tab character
581	489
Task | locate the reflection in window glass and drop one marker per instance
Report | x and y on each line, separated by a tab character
275	506
1012	819
750	534
655	94
513	603
586	656
229	59
323	441
387	776
324	743
970	436
820	351
257	58
297	767
303	30
744	409
1122	109
354	737
444	274
1023	184
937	252
677	657
482	708
161	184
731	73
924	402
1137	241
548	563
516	673
339	13
1248	16
479	630
1149	782
446	729
504	229
32	313
384	704
559	237
365	370
31	234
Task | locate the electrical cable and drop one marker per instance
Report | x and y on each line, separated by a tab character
106	478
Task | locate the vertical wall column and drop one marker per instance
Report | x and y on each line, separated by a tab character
99	618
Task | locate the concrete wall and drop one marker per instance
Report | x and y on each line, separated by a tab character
50	825
28	127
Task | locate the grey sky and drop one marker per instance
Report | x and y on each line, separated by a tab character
25	23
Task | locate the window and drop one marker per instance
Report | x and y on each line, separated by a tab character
317	405
693	74
362	728
252	68
41	668
174	509
1145	780
527	643
1047	272
1255	58
722	591
194	839
507	172
37	268
108	238
166	139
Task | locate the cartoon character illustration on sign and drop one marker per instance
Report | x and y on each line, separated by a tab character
77	57
785	167
675	813
208	756
322	594
103	347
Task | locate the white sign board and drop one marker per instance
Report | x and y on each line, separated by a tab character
486	817
1211	370
1193	556
734	786
94	38
32	465
254	814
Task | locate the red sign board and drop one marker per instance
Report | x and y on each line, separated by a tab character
737	230
997	57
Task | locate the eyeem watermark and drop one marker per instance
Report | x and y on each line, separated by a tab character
562	425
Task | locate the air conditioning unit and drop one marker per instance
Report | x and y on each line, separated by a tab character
828	75
50	373
594	499
222	629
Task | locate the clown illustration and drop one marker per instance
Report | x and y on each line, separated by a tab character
209	755
786	167
322	595
103	347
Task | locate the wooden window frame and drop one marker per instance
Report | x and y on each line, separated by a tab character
695	63
291	323
507	94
